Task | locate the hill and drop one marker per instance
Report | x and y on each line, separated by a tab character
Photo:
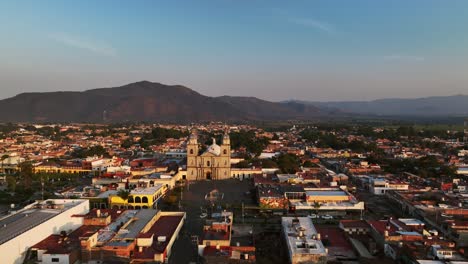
146	101
456	105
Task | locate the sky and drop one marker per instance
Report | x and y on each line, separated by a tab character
318	50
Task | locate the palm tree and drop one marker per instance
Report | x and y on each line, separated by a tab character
316	207
3	158
124	194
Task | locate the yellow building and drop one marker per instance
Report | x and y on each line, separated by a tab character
214	163
139	198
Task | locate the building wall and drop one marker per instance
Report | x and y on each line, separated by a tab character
151	199
13	251
62	259
160	257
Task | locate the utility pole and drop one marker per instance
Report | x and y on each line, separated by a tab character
242	212
42	190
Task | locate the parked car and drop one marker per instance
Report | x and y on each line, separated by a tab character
313	216
203	215
327	217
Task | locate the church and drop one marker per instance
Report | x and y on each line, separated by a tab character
213	164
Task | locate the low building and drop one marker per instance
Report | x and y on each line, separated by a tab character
303	243
35	222
139	198
380	186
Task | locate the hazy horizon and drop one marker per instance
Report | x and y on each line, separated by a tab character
281	100
273	50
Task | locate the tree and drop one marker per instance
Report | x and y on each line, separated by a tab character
243	164
316	207
26	174
288	163
3	158
124	194
309	164
11	181
249	140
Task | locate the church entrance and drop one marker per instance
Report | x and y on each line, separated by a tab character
208	175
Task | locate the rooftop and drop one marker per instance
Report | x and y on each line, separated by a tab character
137	223
301	236
32	216
326	193
165	226
147	190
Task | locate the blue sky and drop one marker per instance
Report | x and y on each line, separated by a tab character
276	50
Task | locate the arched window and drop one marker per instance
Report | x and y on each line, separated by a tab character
191	151
225	151
137	199
144	199
130	199
208	163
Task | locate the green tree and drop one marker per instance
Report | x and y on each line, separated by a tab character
26	174
124	194
11	182
3	158
288	163
316	207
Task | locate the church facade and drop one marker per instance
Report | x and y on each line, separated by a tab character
213	164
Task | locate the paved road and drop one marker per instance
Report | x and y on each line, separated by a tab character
193	199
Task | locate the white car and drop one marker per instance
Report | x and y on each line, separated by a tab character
313	216
203	215
327	217
445	215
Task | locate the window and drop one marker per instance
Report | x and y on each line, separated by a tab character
225	152
55	260
144	199
208	163
191	151
137	199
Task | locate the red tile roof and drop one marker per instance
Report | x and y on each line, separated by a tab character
164	226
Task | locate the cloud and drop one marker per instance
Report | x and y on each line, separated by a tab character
403	58
312	23
84	44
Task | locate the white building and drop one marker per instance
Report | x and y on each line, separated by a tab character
303	241
35	222
381	186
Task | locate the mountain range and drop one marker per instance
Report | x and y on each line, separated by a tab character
146	101
449	106
156	102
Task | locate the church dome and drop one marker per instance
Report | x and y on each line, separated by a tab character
214	149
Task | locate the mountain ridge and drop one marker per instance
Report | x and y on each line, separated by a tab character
144	101
453	105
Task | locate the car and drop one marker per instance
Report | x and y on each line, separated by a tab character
313	216
327	217
445	215
203	215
